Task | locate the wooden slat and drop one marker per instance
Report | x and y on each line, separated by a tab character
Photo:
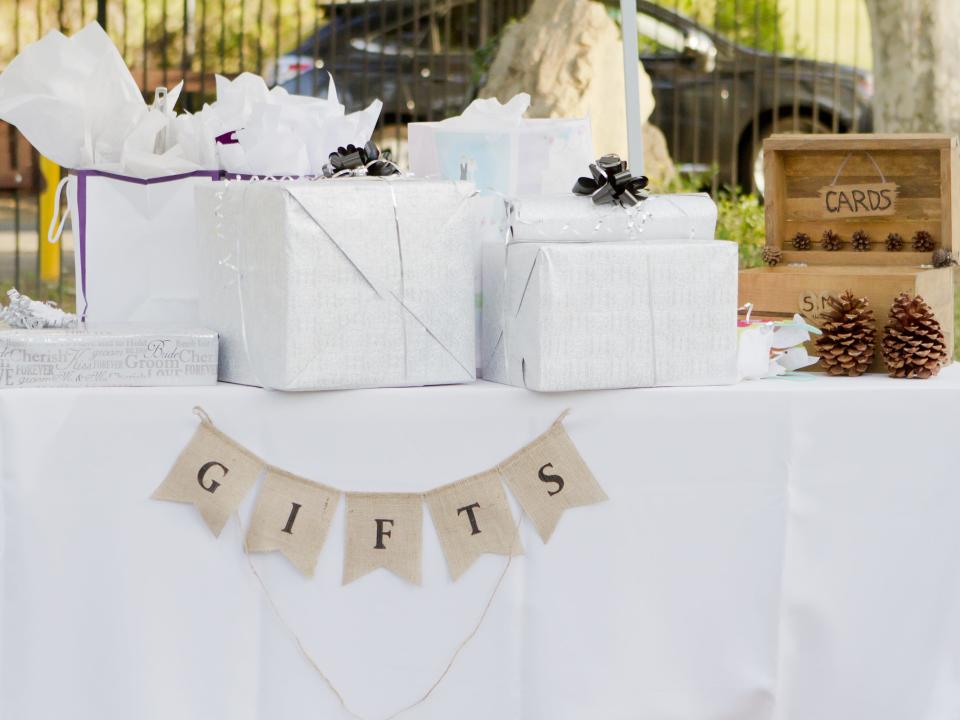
906	141
908	186
901	163
927	209
779	291
878	257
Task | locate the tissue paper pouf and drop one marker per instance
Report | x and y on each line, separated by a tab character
340	283
108	355
580	296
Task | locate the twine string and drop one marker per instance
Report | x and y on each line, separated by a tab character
311	660
844	164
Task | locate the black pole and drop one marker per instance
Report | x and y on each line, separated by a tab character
102	13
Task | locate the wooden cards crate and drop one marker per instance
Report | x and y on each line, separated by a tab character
863	187
878	184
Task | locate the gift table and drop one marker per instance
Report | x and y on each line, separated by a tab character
778	549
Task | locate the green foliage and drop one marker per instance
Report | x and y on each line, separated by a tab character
752	23
740	218
484	55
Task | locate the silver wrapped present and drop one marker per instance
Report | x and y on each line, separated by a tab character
568	218
654	303
108	355
340	283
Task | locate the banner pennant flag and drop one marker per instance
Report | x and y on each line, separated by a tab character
472	517
213	472
548	476
292	515
384	530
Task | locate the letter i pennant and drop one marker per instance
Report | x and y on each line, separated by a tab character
293	516
549	476
214	473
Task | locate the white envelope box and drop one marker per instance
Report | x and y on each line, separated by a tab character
342	283
136	245
536	156
108	355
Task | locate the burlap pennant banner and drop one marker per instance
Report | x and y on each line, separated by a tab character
473	517
548	476
384	530
213	472
293	515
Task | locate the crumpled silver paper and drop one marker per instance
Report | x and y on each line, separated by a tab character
340	283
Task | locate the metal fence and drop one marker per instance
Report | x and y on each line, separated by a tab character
725	74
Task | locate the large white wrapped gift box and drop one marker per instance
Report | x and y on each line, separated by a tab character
568	305
342	283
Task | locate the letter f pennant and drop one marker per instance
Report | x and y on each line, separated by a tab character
214	473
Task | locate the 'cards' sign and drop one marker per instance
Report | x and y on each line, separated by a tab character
860	200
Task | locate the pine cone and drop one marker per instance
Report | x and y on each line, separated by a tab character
772	255
849	336
830	241
943	258
801	241
861	241
913	345
894	242
923	241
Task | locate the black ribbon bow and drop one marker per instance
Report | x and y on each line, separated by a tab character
367	157
611	182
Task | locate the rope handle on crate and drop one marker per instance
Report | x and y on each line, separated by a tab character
870	157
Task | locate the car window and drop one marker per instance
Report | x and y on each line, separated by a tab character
425	34
654	36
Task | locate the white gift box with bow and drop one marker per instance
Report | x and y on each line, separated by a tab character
645	297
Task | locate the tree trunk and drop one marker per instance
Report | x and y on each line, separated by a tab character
916	54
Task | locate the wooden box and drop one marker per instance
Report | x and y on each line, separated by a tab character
781	291
818	182
843	183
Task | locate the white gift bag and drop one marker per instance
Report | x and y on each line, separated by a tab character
136	245
496	148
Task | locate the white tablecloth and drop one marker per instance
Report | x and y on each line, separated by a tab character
779	550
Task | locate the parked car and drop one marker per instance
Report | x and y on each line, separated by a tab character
714	97
702	81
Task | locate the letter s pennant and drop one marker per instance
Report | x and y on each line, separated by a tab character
214	473
548	476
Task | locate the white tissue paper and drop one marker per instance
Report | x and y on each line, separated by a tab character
340	283
279	134
592	311
75	100
494	146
